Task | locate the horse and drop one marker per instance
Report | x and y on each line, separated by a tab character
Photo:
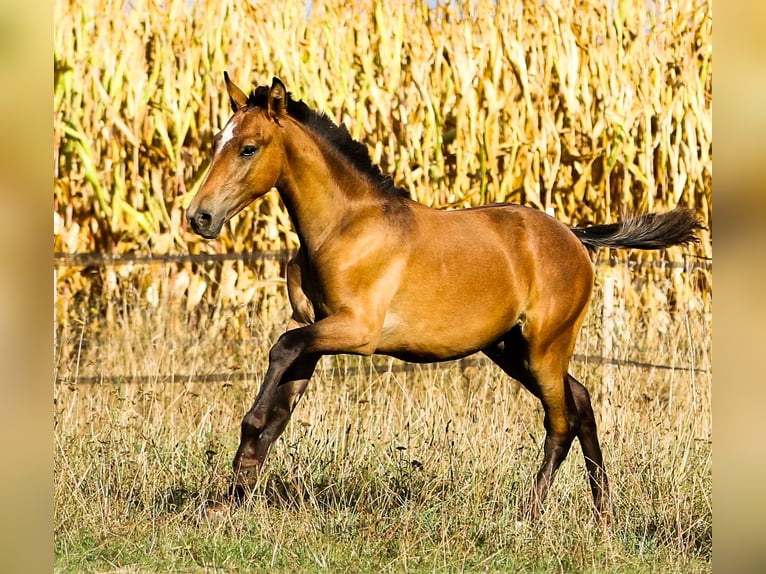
379	273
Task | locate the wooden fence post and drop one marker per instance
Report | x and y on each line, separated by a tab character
607	331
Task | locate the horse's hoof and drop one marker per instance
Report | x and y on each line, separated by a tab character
214	512
245	477
237	492
242	485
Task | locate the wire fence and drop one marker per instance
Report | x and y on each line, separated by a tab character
100	259
350	370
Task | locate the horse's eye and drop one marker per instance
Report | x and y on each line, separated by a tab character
248	151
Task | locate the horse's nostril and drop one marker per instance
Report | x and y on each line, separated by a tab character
201	221
204	219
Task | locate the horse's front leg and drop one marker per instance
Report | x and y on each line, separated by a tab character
257	436
292	360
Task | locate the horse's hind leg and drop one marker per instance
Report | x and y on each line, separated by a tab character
566	404
512	354
561	425
591	449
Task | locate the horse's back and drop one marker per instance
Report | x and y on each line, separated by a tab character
527	242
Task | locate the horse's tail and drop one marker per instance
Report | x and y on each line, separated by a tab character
648	231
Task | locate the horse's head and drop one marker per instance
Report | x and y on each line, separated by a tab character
247	158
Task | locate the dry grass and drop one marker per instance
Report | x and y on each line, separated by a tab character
381	469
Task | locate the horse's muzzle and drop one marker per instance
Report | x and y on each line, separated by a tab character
203	223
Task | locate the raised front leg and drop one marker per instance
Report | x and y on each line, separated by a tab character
257	438
291	363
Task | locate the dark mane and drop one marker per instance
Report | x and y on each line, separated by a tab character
337	136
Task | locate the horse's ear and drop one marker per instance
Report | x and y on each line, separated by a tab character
277	99
237	97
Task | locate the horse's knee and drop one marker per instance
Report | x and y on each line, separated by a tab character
253	424
287	348
266	425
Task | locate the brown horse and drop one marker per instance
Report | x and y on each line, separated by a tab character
377	272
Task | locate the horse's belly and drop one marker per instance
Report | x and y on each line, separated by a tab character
418	340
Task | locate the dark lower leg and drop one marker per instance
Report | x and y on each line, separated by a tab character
512	355
561	418
286	364
591	449
260	431
555	451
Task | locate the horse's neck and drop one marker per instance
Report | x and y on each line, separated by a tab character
319	189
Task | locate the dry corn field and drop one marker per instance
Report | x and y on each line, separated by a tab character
586	109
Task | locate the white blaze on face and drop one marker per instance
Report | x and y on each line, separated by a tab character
227	133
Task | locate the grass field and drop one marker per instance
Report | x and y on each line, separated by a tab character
588	109
381	469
